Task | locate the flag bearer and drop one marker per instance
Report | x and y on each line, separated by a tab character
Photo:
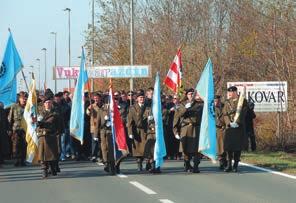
187	122
107	147
220	132
234	128
47	130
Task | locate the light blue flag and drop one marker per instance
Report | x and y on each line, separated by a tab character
159	149
207	136
10	66
77	111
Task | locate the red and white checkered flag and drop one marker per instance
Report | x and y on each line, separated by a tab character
174	76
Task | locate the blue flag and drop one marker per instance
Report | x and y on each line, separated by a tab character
77	111
10	66
159	149
207	136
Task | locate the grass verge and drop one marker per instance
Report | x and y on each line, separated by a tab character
278	161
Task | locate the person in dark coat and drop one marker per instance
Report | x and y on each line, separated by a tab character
234	128
47	130
250	132
4	143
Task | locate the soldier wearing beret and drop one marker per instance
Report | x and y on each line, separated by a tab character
187	122
234	132
137	128
47	130
18	128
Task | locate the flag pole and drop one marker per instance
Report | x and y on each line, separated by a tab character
25	80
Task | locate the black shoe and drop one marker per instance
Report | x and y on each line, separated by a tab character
44	174
235	165
148	166
54	173
112	169
58	170
106	168
117	168
187	166
140	166
16	164
156	170
196	169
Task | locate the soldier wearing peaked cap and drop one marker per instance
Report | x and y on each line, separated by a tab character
187	122
47	131
234	128
137	128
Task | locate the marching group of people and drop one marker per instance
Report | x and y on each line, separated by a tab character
181	120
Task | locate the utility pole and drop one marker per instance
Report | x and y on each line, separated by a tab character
45	67
93	42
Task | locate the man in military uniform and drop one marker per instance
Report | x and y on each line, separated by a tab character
137	127
93	112
220	132
187	122
234	129
18	127
104	125
47	130
150	143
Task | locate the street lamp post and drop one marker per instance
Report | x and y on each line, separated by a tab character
38	59
32	67
93	41
45	67
55	60
69	42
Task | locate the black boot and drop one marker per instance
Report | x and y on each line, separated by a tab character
187	166
153	169
195	166
44	173
112	168
148	166
235	165
117	168
222	164
106	167
229	166
140	165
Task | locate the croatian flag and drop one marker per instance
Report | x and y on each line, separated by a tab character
118	132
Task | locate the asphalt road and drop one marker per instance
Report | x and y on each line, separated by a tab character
87	182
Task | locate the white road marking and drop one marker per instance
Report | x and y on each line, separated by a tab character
143	188
121	175
268	170
165	201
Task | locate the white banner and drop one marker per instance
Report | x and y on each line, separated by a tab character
136	71
271	96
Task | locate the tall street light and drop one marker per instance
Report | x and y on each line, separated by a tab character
93	42
69	50
45	67
32	68
38	60
132	41
55	60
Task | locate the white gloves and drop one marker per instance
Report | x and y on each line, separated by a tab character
177	137
150	118
233	125
106	117
39	118
96	139
188	105
131	136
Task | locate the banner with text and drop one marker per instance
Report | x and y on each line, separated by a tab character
136	71
268	96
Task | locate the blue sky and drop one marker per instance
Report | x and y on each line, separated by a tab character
31	22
